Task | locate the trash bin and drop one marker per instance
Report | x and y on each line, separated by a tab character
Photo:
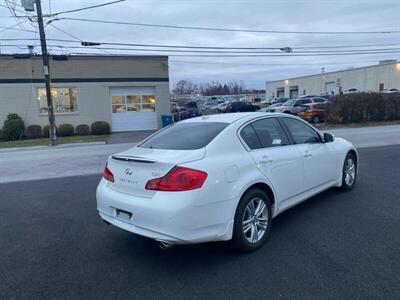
166	120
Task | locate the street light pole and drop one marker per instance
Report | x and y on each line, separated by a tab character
46	72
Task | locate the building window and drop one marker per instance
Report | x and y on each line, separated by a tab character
64	100
145	103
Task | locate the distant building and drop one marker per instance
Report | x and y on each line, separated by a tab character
374	78
129	92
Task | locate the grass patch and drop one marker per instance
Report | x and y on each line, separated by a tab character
60	140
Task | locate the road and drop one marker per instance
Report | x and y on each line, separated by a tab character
43	162
334	246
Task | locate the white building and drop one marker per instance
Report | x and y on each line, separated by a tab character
374	78
129	92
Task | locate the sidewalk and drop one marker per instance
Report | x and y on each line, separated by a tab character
30	163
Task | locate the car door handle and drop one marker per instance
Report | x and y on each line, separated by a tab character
307	154
266	160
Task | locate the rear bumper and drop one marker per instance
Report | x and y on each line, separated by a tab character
171	217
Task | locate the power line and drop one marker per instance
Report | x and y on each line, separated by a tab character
73	36
211	47
83	8
17	29
357	51
17	10
231	29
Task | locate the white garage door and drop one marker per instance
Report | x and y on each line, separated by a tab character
133	108
330	86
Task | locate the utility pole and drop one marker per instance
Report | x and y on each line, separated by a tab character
28	5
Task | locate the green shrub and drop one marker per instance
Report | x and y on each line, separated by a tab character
33	131
82	129
364	107
13	128
100	127
46	131
65	130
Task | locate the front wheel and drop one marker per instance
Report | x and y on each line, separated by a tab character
349	173
252	221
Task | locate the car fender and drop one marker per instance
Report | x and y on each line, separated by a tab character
343	147
242	190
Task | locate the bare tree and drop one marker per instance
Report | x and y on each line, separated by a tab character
184	87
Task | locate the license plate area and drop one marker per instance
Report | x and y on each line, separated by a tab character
123	214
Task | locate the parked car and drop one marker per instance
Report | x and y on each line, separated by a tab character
293	106
210	106
192	109
220	178
313	112
174	107
223	106
241	106
391	91
268	109
351	91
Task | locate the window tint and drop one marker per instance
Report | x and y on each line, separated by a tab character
321	106
250	137
185	136
319	100
302	133
270	133
305	101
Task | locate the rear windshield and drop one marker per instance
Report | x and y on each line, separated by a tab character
185	136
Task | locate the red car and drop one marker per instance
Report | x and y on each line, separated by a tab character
313	112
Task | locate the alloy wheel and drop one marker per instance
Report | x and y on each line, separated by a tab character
349	171
255	220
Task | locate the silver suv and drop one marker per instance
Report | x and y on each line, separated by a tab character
293	106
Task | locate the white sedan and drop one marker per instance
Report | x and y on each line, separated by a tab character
221	177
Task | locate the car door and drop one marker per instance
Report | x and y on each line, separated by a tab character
299	104
273	155
318	158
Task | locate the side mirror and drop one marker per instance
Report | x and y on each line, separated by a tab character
328	138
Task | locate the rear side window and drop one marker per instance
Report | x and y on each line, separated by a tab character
185	136
264	133
250	137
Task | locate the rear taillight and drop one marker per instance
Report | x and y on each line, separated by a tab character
178	179
107	174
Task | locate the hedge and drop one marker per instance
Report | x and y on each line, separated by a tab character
65	130
82	129
100	127
13	128
364	107
46	131
33	131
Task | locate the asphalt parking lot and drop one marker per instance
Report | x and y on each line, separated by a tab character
336	245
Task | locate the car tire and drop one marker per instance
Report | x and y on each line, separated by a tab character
316	119
252	218
349	172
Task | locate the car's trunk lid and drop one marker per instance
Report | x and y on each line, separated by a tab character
134	167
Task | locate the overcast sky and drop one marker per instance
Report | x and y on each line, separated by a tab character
301	15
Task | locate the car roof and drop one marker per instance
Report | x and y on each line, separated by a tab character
228	117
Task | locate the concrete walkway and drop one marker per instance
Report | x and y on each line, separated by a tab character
44	162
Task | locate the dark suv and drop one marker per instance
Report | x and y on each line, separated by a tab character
241	107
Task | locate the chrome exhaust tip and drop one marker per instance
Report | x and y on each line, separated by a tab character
164	245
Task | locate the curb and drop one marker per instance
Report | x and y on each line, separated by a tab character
61	146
